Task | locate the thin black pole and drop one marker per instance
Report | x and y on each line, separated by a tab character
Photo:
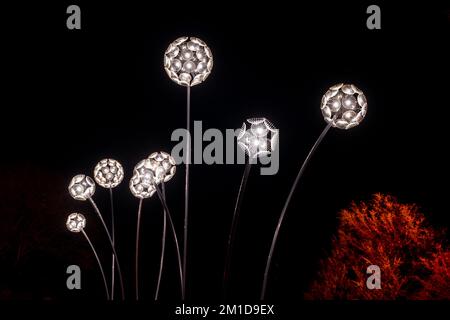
163	245
283	212
175	238
186	188
136	261
234	223
112	246
98	262
113	235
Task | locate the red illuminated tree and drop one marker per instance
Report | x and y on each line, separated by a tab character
413	260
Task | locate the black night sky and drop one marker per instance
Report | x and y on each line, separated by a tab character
74	97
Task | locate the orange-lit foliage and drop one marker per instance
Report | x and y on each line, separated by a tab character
413	261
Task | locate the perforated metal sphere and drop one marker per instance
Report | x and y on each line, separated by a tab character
142	184
108	173
259	139
81	187
344	106
140	187
188	61
75	222
163	166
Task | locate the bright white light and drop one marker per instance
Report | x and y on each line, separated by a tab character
188	61
163	166
158	167
260	139
344	106
141	184
75	222
81	187
108	173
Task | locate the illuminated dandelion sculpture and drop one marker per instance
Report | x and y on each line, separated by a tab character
76	223
157	169
188	61
343	106
108	173
259	140
82	188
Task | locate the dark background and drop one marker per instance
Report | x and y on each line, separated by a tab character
74	97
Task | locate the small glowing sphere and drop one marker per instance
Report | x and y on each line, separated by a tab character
108	173
201	56
176	65
344	106
189	66
141	185
193	46
185	77
201	67
81	187
260	139
349	102
148	173
75	222
188	61
349	115
163	166
186	54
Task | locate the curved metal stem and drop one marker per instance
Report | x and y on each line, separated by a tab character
136	261
113	235
98	262
186	188
112	246
172	226
283	212
234	223
163	244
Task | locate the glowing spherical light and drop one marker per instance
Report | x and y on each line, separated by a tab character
108	173
260	139
188	61
158	167
163	166
75	222
344	106
81	187
141	185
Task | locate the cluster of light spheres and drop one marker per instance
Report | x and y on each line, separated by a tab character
81	187
258	140
188	61
75	222
108	173
158	167
344	106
